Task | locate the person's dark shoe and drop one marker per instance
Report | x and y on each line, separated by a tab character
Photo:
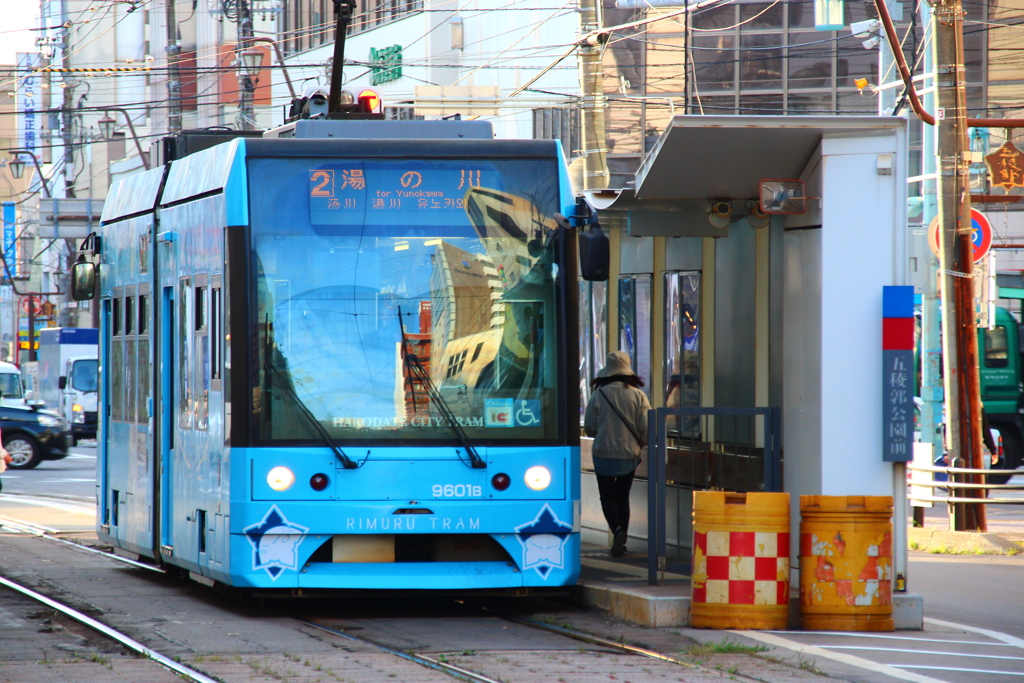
619	546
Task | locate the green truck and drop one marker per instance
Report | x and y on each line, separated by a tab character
1002	390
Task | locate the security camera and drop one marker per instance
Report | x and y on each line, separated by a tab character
863	28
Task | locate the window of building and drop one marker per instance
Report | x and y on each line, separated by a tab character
559	123
306	24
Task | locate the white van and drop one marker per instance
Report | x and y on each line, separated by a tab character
12	389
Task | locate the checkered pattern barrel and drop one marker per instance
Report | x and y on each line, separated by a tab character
740	560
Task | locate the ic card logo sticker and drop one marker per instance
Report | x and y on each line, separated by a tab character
498	412
275	543
543	541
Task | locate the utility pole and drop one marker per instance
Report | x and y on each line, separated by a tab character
595	165
173	70
66	107
956	261
246	87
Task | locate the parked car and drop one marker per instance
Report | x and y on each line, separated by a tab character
32	435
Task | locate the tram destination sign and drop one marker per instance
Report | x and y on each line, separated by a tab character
363	192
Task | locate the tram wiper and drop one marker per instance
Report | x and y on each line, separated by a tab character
415	367
268	367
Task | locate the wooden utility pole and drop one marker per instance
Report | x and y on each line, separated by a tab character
595	164
956	258
173	71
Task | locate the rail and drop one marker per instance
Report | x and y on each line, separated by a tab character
951	486
710	448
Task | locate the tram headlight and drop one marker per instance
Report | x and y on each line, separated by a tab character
280	478
538	478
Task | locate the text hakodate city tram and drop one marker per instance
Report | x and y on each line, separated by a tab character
344	361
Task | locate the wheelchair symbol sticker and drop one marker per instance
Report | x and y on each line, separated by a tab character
527	413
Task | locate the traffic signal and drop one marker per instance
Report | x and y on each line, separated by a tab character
369	102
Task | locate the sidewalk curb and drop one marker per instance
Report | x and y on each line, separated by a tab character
961	542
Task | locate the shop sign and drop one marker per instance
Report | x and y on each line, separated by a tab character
385	64
1006	166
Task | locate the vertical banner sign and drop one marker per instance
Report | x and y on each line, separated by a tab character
897	374
8	243
29	99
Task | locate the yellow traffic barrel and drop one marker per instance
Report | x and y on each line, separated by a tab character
740	576
846	568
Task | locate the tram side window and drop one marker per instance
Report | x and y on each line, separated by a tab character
184	356
130	360
116	361
201	357
142	391
216	337
129	315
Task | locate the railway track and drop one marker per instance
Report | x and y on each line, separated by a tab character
462	668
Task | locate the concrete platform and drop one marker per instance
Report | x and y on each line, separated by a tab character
620	587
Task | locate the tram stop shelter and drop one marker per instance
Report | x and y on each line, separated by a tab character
725	308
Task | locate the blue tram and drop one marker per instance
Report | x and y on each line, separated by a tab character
343	362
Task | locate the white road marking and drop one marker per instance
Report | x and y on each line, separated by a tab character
859	662
921	652
80	456
22	525
996	635
62	481
50	503
967	671
874	636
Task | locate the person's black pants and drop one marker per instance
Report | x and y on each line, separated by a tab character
615	499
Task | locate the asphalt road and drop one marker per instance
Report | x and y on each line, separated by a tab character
74	476
983	591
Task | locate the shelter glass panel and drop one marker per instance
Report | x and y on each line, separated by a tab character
635	323
682	343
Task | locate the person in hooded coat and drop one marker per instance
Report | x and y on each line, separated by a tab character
616	417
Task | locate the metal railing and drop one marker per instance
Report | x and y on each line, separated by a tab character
953	486
722	449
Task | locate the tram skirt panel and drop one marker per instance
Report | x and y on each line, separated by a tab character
846	567
740	560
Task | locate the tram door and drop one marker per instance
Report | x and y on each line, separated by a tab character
166	413
106	502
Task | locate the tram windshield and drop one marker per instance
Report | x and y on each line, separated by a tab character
397	286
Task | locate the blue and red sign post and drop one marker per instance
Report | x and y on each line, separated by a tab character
897	373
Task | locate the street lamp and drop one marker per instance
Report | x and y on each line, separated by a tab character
106	125
18	167
252	60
